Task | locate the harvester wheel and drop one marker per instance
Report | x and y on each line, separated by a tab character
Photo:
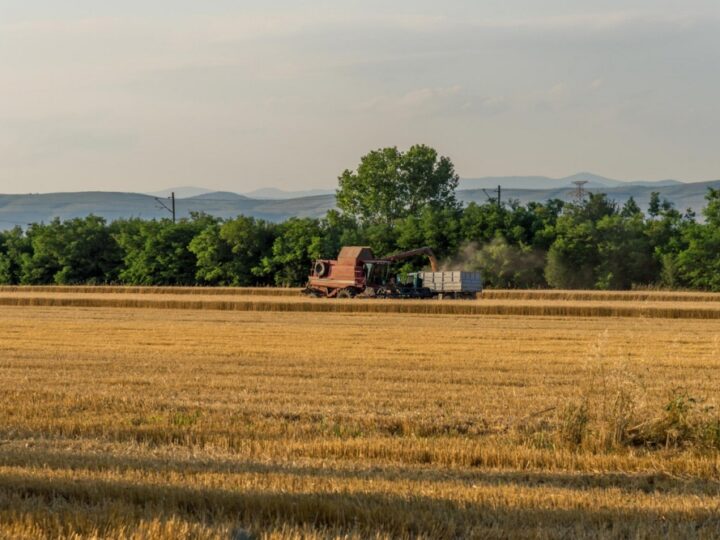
346	293
312	292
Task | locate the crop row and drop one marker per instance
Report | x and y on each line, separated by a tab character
493	294
118	289
496	307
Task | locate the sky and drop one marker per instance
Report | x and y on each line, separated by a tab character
240	95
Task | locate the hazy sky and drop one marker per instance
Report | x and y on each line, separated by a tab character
142	95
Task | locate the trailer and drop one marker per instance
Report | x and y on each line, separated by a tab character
453	284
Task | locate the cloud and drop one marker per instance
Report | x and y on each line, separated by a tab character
249	25
592	21
195	92
419	100
424	96
495	105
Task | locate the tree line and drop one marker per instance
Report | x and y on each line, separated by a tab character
393	201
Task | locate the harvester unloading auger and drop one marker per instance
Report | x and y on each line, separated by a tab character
412	253
358	273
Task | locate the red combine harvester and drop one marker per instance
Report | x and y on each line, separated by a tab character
357	272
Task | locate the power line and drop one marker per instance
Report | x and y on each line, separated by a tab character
497	199
171	208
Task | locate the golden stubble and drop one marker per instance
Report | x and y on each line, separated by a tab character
163	423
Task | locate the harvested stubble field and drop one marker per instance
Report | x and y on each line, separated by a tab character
511	303
163	423
492	294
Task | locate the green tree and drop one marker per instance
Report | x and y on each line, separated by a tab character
698	265
390	184
654	206
339	230
625	253
230	253
598	247
531	225
667	237
573	256
14	247
482	223
630	208
503	265
438	228
75	251
298	243
156	252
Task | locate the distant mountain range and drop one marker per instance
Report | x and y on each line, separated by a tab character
24	209
275	194
487	182
544	182
277	205
684	196
182	192
268	194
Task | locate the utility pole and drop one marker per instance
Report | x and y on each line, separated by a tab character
497	200
170	208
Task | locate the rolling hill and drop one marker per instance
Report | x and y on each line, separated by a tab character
545	182
275	194
24	209
683	196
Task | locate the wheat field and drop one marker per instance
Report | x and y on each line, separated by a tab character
492	294
509	303
122	422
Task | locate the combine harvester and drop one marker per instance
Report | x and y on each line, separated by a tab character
357	273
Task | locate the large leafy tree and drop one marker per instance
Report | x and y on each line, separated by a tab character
699	264
482	223
436	227
667	234
625	252
508	242
14	247
598	246
156	252
299	242
574	255
80	250
230	253
390	184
